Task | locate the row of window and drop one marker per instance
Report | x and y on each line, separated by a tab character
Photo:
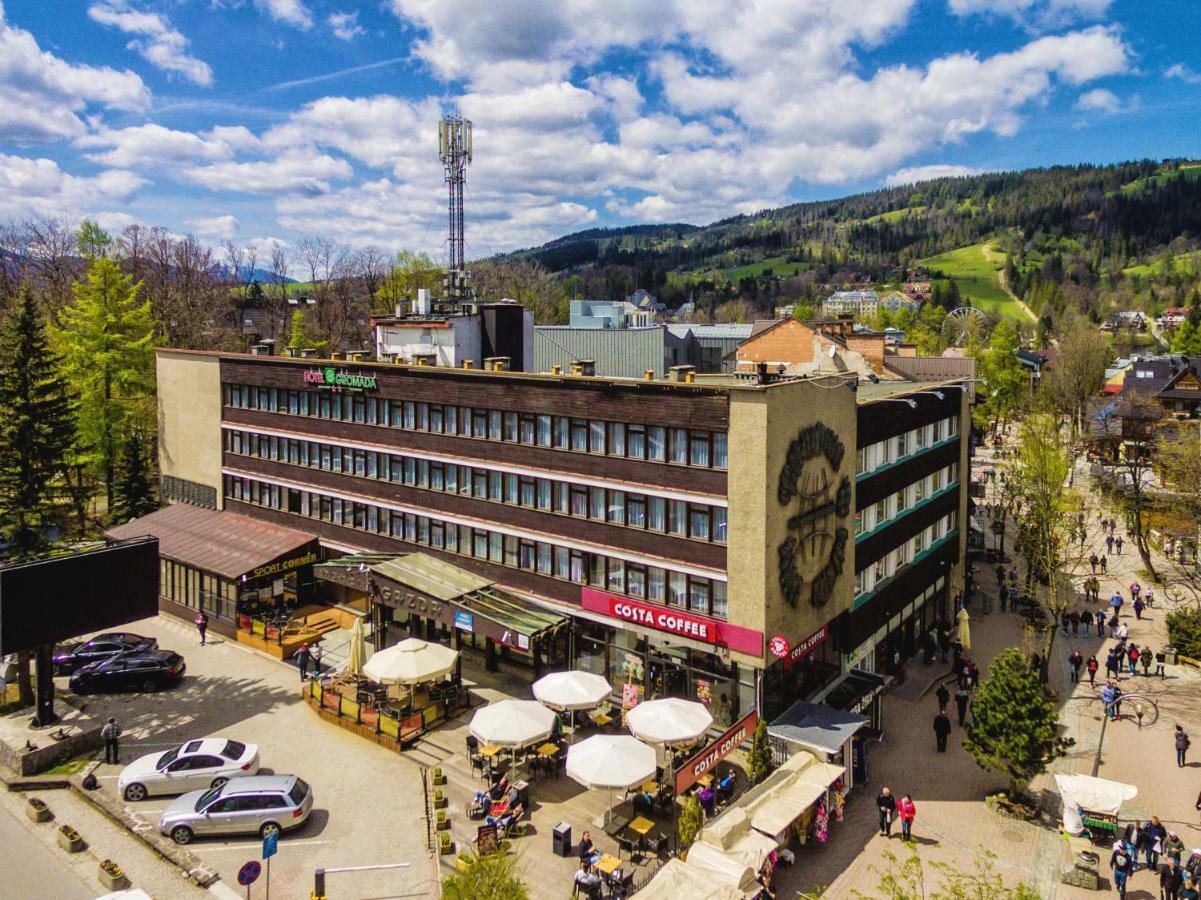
701	595
683	446
699	521
874	576
894	505
885	453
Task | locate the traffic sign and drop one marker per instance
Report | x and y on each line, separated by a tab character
249	873
270	844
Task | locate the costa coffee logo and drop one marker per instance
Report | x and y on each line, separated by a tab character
664	620
778	646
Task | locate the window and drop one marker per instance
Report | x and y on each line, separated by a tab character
617	507
698	594
678	452
636	510
617	439
526	428
720	452
494	425
656	518
676	589
678	518
698	522
698	448
579	435
636	441
635	580
720	604
654	584
656	443
510	426
596	504
544	431
596	437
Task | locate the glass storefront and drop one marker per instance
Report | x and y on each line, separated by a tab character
784	685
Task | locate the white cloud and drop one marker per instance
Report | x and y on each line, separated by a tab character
42	97
158	43
345	25
914	174
146	146
293	171
290	12
1099	100
1036	13
221	228
1183	72
38	187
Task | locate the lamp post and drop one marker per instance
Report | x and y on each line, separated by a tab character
1146	711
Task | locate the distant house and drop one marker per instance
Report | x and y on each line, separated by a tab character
851	303
1173	381
898	300
646	302
1036	363
1171	318
918	290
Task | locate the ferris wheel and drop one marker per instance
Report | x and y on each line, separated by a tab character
962	324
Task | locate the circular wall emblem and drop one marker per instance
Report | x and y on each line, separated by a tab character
778	646
331	375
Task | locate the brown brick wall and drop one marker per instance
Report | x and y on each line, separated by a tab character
870	347
790	342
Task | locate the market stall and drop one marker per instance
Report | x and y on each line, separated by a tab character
1091	805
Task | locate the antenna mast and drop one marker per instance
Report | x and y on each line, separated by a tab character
454	148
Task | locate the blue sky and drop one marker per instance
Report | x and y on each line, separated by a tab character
262	121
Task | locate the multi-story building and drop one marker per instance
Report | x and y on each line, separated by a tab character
862	304
742	540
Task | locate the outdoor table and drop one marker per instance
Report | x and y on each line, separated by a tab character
607	864
641	826
489	750
548	750
601	720
705	780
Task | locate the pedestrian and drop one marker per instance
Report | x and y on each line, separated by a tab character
906	810
1132	837
1065	621
1092	666
1149	598
1122	866
944	643
1113	625
202	625
959	667
1160	659
1182	745
1109	543
886	803
1103	565
1116	602
315	656
942	695
111	733
1117	702
1113	525
962	700
1003	593
1075	661
1086	621
1153	835
1108	693
942	728
1137	605
1135	590
1121	632
1111	664
1092	561
1118	544
1074	616
973	676
302	660
1171	880
1173	847
1132	657
1144	657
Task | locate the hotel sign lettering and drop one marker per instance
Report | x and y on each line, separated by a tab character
286	565
688	774
402	599
340	379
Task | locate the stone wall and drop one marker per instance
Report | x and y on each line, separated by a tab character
49	752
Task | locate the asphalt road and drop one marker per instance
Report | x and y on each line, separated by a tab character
24	860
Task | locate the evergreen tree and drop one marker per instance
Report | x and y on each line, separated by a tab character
1007	383
106	343
1015	728
37	426
133	494
692	819
491	877
759	760
296	333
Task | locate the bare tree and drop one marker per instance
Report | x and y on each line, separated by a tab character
54	252
317	253
277	296
525	281
14	261
1141	418
372	265
1079	373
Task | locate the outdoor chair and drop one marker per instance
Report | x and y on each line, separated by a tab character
661	846
626	843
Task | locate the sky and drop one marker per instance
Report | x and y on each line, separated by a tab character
261	121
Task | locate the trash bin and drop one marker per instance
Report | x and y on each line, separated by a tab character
523	792
561	840
1169	655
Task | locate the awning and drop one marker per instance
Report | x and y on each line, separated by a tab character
677	879
816	726
722	867
785	806
234	547
852	691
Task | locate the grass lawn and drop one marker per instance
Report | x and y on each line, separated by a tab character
896	215
976	269
1185	262
1186	170
778	264
68	767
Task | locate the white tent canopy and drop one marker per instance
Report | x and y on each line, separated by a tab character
669	721
571	690
721	866
732	833
1093	794
677	879
412	661
612	761
512	723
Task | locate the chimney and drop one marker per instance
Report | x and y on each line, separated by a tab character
497	363
425	359
422	306
309	353
683	374
584	367
648	375
761	372
468	363
556	369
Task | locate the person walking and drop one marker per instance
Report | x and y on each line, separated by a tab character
1173	847
1121	632
1116	602
1076	660
1182	745
1135	590
111	733
973	676
962	701
1132	657
1153	835
1137	606
1091	666
302	660
1122	866
1118	543
886	803
1109	543
942	728
1074	616
1108	695
1092	561
1132	837
1144	657
202	625
1171	880
906	810
943	696
1149	598
1104	565
1086	621
1161	659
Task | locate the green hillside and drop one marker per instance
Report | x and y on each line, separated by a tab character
976	270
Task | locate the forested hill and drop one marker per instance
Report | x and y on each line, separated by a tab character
1068	235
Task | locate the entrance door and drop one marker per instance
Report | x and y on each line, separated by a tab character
667	676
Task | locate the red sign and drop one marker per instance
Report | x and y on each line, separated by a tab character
778	646
707	759
807	646
674	621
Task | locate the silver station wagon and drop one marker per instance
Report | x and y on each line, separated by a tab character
255	804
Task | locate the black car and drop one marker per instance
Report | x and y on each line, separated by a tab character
145	670
69	659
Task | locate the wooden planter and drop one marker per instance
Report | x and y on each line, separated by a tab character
112	876
37	810
462	861
439	800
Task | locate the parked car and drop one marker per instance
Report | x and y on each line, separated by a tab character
71	657
254	804
146	671
197	764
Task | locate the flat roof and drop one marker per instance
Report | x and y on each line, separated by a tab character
223	543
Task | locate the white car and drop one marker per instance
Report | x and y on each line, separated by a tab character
196	765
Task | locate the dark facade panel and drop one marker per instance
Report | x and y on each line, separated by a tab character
881	420
892	536
546	524
876	487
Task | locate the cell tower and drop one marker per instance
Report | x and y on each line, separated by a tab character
454	148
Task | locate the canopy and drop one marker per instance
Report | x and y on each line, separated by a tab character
669	721
358	650
678	879
722	866
732	832
512	723
816	725
1083	792
784	806
412	661
572	690
613	761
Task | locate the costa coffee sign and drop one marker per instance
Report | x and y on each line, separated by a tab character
688	774
674	621
807	646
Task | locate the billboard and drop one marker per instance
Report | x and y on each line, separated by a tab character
50	600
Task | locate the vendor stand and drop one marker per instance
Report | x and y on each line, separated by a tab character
1091	805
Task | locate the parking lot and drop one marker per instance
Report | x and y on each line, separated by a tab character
367	800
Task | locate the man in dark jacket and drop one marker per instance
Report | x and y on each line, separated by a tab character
1171	879
943	696
1122	866
942	728
962	699
1182	745
1153	835
886	803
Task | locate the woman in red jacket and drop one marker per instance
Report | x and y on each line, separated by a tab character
905	812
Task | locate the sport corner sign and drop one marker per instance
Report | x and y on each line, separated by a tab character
688	774
329	377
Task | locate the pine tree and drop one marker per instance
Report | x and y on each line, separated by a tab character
37	426
690	822
1015	728
106	343
296	334
133	494
759	760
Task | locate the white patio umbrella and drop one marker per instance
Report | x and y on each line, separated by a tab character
613	762
572	690
358	650
669	721
412	661
965	629
512	723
